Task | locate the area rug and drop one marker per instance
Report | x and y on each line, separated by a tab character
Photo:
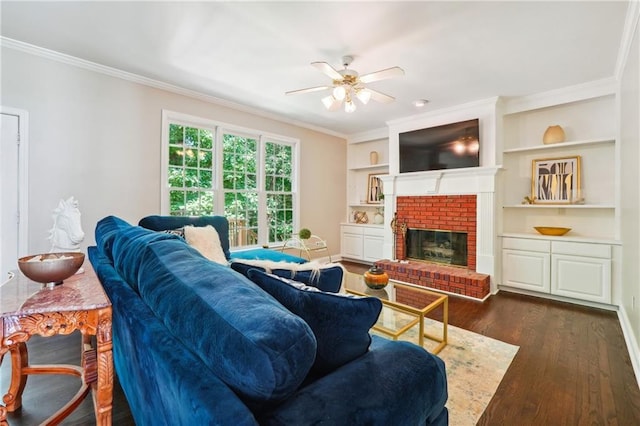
475	367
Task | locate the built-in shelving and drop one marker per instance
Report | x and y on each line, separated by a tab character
562	145
372	167
589	124
566	238
369	205
358	172
560	206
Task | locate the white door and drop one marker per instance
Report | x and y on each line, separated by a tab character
528	270
12	176
587	278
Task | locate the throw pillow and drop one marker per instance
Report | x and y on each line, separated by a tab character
179	232
326	277
206	240
340	322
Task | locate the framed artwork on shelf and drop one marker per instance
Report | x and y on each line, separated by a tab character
374	189
556	180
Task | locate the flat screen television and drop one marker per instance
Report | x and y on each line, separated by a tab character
450	146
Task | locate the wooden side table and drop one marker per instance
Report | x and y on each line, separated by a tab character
26	309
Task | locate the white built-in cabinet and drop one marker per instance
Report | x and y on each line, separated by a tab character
561	268
364	241
579	264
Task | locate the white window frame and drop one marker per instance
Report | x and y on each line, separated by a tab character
218	129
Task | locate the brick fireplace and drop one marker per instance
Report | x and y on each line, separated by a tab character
461	202
455	213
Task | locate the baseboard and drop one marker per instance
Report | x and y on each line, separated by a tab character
558	298
630	340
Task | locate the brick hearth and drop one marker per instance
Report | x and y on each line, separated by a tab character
438	277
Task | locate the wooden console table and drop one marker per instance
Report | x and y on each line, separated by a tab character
26	309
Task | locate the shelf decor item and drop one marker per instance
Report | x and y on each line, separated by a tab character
373	157
552	230
556	180
376	278
553	134
378	218
374	189
360	216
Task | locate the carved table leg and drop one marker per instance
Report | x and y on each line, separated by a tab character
3	410
103	389
19	360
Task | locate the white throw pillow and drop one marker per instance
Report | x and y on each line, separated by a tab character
206	240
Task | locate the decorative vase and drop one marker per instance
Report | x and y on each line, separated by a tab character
376	278
378	218
553	134
373	157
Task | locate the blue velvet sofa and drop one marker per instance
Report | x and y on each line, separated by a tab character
198	343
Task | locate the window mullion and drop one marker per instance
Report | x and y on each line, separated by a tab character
218	190
263	221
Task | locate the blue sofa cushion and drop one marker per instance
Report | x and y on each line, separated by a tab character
325	277
163	381
394	383
121	243
256	346
165	223
339	322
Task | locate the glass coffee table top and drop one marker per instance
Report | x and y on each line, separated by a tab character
404	309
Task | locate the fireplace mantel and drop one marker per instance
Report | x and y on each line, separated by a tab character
474	180
478	181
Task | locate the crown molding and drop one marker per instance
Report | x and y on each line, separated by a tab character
578	92
630	28
157	84
371	135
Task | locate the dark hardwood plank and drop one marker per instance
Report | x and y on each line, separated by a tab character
572	368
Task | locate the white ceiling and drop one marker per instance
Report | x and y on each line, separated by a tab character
252	53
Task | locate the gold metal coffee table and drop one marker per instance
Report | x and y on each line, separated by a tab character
396	319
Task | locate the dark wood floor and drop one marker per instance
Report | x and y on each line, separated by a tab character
572	368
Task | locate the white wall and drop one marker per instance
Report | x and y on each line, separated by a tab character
97	137
630	191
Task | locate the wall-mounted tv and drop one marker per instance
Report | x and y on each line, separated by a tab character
450	146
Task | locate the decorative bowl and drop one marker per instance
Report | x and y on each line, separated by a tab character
50	268
552	230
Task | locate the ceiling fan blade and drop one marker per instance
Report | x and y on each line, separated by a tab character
382	74
381	97
328	70
307	90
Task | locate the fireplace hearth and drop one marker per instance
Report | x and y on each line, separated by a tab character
439	246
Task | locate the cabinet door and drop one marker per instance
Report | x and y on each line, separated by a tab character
586	278
352	245
528	270
372	247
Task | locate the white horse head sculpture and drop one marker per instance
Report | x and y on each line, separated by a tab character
66	234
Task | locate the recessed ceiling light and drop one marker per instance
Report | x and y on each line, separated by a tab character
419	103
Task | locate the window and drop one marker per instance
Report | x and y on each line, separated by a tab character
249	177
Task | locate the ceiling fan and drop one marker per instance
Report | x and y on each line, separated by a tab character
348	84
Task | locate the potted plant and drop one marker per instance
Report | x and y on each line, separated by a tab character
304	234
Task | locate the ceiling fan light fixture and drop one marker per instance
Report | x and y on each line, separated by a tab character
339	92
364	96
349	106
328	101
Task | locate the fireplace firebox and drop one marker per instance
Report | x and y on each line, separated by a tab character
434	245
